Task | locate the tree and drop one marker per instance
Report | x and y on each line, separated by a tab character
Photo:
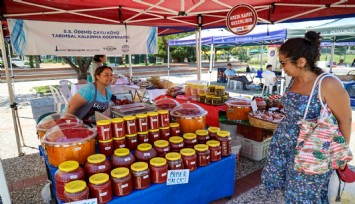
163	45
82	68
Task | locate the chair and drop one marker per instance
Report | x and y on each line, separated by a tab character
58	99
269	83
64	90
234	84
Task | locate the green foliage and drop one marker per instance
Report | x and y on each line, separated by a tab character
43	89
163	44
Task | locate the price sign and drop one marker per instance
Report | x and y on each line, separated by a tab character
88	201
178	177
241	19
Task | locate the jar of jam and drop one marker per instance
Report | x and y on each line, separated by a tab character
75	191
121	181
260	103
174	129
100	187
219	91
158	170
202	89
143	137
153	121
225	98
174	161
130	124
189	158
119	142
215	150
145	152
122	158
208	99
224	138
140	175
216	101
153	136
117	127
164	133
176	143
202	136
211	89
142	122
67	171
190	140
106	147
96	163
212	132
164	118
201	97
162	147
203	154
131	141
104	129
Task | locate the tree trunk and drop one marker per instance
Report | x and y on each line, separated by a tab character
82	68
37	59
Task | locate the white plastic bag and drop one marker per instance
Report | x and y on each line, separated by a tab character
346	191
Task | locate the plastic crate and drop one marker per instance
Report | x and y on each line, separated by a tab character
255	150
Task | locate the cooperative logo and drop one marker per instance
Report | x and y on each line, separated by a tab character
125	48
241	19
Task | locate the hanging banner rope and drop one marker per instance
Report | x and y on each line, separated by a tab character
241	19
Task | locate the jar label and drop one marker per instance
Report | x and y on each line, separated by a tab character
166	149
194	140
119	129
167	134
146	176
144	123
73	176
103	194
166	119
207	137
154	120
107	148
218	153
178	165
207	157
146	140
147	154
106	129
77	148
177	131
127	159
101	166
156	135
131	124
199	121
122	145
193	162
124	185
180	145
133	140
163	174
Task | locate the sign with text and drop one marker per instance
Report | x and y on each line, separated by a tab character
88	201
178	177
241	19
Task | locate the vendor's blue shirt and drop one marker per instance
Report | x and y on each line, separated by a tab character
230	72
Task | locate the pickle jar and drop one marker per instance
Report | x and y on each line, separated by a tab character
119	142
190	140
219	90
189	158
164	133
145	152
153	121
154	135
143	137
208	99
212	132
100	187
131	141
216	101
117	128
130	124
162	147
202	136
142	122
106	147
75	191
122	158
203	154
211	89
163	118
140	175
174	129
104	129
174	160
215	150
225	98
224	138
96	163
176	143
158	170
201	98
121	181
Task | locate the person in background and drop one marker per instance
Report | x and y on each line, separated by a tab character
99	60
353	64
341	63
232	75
269	77
298	58
247	69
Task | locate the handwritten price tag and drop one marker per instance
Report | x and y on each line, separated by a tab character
178	177
88	201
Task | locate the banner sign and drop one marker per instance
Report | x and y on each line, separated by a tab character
77	39
241	19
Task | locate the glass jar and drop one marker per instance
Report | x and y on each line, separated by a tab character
130	124
208	99
153	136
117	127
143	137
176	143
190	140
106	147
131	141
260	103
67	171
174	161
174	129
215	150
224	138
201	89
164	133
104	129
96	163
202	136
153	121
219	91
212	132
100	187
216	101
121	181
225	98
119	142
203	154
164	118
140	175
189	158
122	158
145	152
142	122
75	191
158	170
162	147
202	98
211	89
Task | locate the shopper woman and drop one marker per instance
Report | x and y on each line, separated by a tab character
99	60
298	58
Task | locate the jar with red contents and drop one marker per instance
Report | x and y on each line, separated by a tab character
153	136
145	152
142	122
224	138
189	158
121	181
97	163
174	161
106	147
140	175
67	171
104	129
261	104
122	158
215	150
100	187
212	132
202	136
75	191
153	121
164	133
190	140
130	124
203	154
131	141
176	143
174	129
164	118
158	170
117	128
162	147
143	137
119	142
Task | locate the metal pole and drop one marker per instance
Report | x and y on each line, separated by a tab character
168	62
130	65
11	68
261	56
332	57
199	65
211	62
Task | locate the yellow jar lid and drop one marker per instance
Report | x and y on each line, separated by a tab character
201	86
220	87
75	186
119	138
164	128
208	96
121	152
131	135
142	133
202	94
201	132
212	86
119	172
213	129
216	97
152	114
163	112
176	139
201	147
103	122
139	166
187	152
105	141
68	166
154	130
161	143
144	147
225	96
174	125
99	178
141	115
117	120
172	156
223	133
96	158
189	136
157	161
129	117
213	143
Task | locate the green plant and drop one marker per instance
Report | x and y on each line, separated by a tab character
43	89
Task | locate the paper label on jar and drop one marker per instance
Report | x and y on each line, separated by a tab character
146	176
177	131
133	140
146	140
194	140
119	129
144	123
154	120
207	137
218	153
207	157
147	154
124	185
131	124
107	148
106	129
127	159
73	176
180	145
178	165
166	149
122	145
193	162
101	166
103	194
167	134
163	174
166	119
156	135
77	148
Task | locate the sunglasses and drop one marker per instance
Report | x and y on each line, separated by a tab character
285	61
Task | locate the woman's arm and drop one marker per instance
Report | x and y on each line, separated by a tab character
75	103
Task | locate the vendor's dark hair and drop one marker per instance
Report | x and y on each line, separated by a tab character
99	70
307	47
97	58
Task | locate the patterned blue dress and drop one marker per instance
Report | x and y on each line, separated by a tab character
278	172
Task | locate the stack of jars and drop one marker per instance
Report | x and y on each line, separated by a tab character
104	135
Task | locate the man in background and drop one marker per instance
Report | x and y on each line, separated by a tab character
232	75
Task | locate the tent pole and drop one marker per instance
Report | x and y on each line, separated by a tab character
198	52
332	57
211	62
261	56
168	62
130	65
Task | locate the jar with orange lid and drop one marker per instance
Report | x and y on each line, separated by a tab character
131	141
190	140
162	147
122	158
201	97
104	129
225	139
96	163
121	181
117	128
212	132
106	147
164	133
75	191
119	142
153	121
174	160
189	158
203	154
145	152
142	122
163	118
130	124
202	136
154	135
100	187
176	143
67	171
208	99
143	137
174	129
219	91
158	170
140	175
215	150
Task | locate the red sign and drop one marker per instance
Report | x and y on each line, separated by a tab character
241	19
